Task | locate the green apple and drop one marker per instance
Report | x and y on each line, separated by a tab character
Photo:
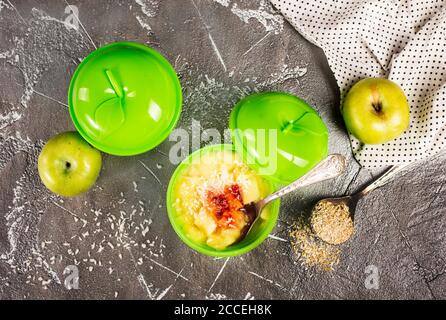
375	110
68	165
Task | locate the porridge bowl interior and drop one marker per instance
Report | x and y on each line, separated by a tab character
205	200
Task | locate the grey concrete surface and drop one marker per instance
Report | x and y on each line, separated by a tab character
118	234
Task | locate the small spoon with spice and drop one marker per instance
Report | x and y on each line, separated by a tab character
332	218
331	167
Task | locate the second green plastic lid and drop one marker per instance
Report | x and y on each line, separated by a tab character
298	143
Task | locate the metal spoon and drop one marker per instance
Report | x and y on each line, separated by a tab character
331	167
352	201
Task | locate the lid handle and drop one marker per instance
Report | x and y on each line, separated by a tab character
299	124
109	114
114	83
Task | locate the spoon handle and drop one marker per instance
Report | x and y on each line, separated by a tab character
329	168
383	179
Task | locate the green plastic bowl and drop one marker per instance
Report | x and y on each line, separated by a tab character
254	238
125	98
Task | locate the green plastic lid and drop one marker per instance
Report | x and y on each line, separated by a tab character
125	98
298	143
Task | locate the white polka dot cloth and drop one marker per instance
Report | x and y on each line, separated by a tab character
403	40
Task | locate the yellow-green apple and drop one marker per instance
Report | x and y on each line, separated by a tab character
375	110
68	165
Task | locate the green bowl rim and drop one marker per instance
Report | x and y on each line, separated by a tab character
274	213
161	137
